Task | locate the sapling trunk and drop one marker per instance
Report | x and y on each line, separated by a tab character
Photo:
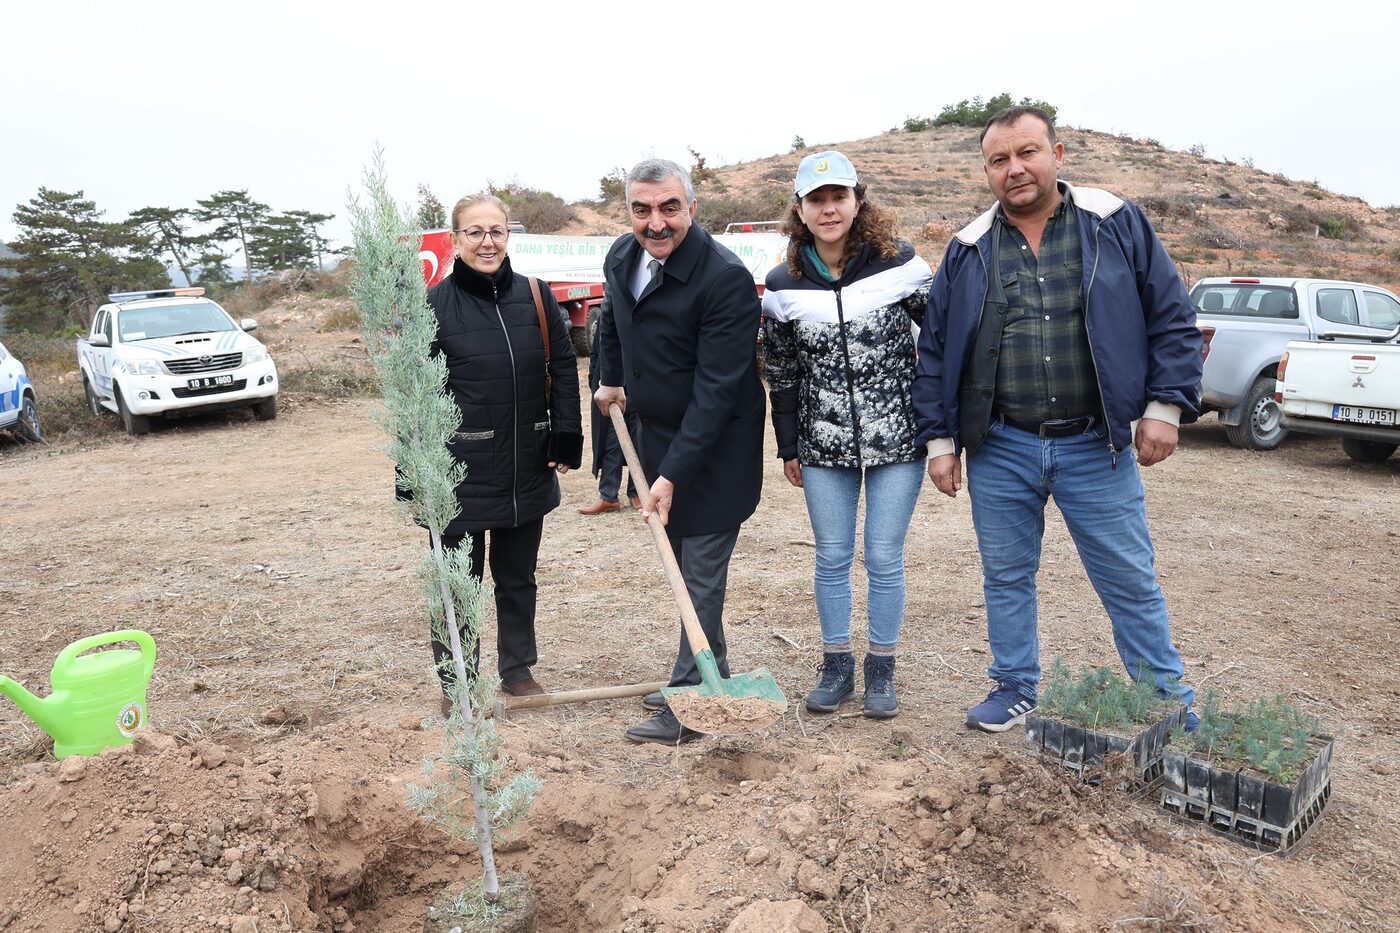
491	885
421	417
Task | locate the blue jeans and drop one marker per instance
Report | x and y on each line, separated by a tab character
1009	480
832	493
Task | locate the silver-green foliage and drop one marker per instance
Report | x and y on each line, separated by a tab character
420	417
1100	698
1266	734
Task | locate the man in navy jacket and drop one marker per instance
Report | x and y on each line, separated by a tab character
1059	351
676	345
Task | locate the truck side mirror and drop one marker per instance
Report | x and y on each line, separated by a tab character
248	324
99	340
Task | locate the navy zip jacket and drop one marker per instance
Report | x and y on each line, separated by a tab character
1141	324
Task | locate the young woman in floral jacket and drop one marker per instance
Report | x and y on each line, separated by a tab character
839	352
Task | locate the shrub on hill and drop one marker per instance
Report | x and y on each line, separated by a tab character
717	210
539	211
973	112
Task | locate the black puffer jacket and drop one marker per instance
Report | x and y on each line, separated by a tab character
490	334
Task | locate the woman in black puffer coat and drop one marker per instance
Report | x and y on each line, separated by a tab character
513	439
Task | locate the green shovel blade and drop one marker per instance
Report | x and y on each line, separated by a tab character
688	702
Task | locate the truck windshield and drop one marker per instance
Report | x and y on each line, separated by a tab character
171	321
1246	300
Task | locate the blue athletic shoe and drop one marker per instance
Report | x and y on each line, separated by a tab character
1193	722
1004	707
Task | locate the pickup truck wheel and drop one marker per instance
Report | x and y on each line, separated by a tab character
579	335
590	328
29	427
1262	426
134	424
266	410
93	404
1367	451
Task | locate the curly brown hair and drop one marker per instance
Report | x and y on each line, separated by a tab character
874	224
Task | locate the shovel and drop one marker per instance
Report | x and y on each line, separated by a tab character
721	705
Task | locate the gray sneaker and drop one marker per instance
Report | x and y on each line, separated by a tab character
880	699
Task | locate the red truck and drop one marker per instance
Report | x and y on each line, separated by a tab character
572	266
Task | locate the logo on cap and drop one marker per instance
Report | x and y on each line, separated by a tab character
822	166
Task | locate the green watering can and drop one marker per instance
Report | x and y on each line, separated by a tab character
98	700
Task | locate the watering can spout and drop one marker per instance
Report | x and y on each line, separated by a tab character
41	711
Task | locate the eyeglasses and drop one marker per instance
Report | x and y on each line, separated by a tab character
476	234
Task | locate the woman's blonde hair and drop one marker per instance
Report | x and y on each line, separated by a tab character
472	200
874	224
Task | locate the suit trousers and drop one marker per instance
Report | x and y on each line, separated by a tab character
514	553
704	563
611	460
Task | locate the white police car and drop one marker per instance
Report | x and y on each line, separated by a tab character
170	351
19	406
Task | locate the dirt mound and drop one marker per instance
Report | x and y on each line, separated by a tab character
316	836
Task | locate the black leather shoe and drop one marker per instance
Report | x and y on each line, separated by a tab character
663	728
654	701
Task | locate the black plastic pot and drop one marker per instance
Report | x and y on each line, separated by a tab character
1244	806
1088	752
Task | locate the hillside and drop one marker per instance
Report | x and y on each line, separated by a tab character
1216	218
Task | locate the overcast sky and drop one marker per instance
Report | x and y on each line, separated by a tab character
157	104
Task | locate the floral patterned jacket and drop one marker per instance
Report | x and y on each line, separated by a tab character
840	359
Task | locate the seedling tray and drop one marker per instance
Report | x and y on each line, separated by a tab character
1244	806
1088	753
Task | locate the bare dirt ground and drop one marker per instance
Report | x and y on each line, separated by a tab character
294	672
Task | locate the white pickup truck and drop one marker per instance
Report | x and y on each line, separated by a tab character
1346	389
171	351
1248	322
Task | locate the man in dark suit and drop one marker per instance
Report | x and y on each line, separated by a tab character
676	340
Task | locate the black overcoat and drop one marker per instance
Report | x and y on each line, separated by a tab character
684	352
489	331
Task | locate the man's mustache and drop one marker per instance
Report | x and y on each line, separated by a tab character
664	234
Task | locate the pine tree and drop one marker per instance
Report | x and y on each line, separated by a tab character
420	416
69	259
315	243
167	226
211	267
233	214
431	214
278	243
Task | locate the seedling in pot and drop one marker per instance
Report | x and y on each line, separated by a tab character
1085	721
1260	773
463	794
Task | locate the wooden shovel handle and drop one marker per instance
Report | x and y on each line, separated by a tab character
691	622
541	700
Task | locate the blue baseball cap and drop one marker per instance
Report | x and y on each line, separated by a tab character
824	168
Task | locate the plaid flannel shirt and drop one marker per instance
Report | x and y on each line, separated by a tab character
1044	371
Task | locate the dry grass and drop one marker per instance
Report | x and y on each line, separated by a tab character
1167	910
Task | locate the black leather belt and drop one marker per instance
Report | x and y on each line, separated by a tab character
1064	427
